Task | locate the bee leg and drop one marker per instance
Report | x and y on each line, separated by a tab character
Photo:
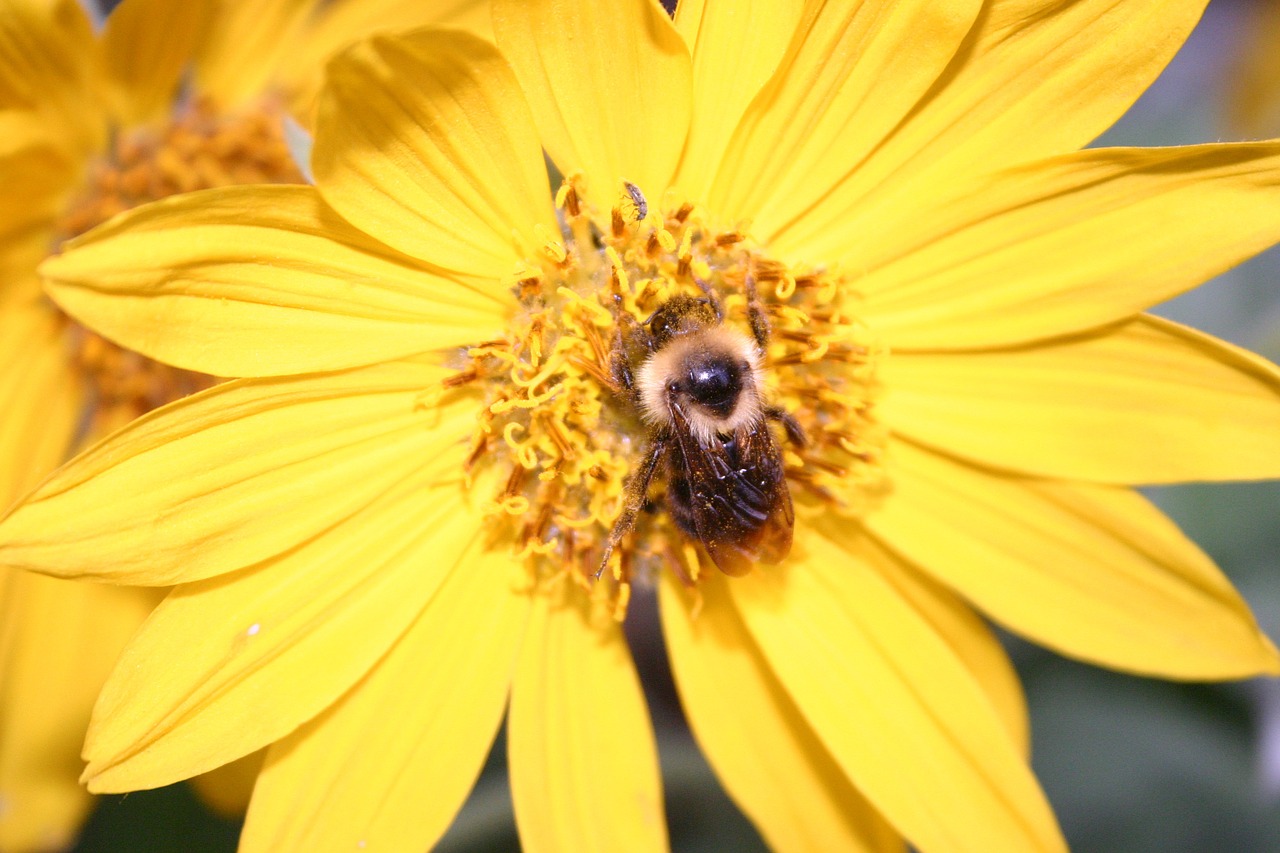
756	315
628	336
633	500
620	369
712	297
795	432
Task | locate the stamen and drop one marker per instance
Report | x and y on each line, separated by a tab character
570	434
567	198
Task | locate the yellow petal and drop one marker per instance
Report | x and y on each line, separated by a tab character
852	73
388	766
953	620
48	63
1043	77
228	665
244	44
222	480
584	770
22	128
147	47
227	790
40	396
42	176
425	142
1094	572
1145	402
35	169
610	87
58	641
1035	78
1061	245
736	47
337	25
893	703
21	251
766	755
260	281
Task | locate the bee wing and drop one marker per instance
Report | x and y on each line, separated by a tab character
738	496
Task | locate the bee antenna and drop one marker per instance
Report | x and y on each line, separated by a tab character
710	297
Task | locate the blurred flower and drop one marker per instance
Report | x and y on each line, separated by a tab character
426	352
170	97
1254	95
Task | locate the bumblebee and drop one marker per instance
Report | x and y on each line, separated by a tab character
699	391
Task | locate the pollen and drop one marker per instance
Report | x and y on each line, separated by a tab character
199	148
560	433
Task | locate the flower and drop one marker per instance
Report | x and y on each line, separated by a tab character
384	534
94	124
1253	95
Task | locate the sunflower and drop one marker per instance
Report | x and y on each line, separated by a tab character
386	534
94	124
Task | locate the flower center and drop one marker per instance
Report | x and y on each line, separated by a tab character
199	149
656	329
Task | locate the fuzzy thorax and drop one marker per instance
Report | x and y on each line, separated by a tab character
666	377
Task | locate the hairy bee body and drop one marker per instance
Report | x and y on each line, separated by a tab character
700	391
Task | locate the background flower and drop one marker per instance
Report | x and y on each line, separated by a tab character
93	123
1253	97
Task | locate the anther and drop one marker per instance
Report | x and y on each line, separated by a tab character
529	287
567	197
551	247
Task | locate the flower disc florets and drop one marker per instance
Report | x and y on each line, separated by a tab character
566	436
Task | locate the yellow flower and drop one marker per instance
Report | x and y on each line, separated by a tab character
91	125
384	535
1253	96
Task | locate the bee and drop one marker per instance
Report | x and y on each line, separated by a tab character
699	391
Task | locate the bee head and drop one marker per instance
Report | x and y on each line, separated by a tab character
680	315
712	375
